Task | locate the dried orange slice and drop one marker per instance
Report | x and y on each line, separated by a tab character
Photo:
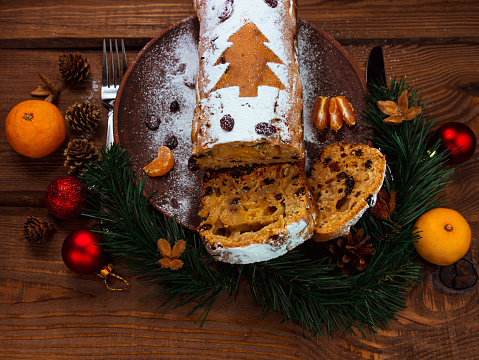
162	164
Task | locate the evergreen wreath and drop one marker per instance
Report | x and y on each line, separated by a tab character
304	288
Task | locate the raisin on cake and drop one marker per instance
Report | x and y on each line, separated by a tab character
248	87
255	213
345	181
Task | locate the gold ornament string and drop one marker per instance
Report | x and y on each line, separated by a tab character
105	272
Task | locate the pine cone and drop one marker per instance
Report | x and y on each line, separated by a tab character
74	67
36	230
79	153
83	117
349	252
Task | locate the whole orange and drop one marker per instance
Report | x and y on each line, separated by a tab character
35	128
445	236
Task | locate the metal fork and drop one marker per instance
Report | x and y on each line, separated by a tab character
110	83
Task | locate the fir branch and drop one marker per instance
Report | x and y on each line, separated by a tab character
305	290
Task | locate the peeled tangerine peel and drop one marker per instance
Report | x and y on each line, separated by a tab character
162	164
333	112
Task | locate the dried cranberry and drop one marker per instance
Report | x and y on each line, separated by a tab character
264	128
349	185
171	141
152	121
342	176
300	191
271	3
268	181
235	201
174	106
192	164
208	191
368	164
227	10
278	196
227	122
334	166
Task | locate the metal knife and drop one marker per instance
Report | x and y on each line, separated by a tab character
375	72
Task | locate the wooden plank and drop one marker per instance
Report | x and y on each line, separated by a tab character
66	24
447	73
49	312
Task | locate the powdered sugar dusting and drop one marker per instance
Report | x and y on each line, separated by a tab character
278	26
298	233
326	71
166	71
170	70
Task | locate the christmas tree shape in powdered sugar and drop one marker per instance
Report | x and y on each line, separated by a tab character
251	68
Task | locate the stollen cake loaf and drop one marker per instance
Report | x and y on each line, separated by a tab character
345	181
248	88
255	213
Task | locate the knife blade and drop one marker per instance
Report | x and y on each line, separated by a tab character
375	72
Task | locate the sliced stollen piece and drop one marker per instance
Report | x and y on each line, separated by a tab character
255	213
345	181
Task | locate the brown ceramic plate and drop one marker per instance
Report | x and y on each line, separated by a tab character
163	73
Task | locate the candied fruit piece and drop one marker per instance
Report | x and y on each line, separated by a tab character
162	164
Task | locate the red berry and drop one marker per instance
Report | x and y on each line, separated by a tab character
227	122
271	3
264	128
152	121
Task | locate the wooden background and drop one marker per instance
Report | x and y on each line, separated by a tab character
49	312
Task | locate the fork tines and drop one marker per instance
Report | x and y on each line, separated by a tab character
111	75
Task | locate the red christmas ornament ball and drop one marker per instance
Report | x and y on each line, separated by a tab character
80	252
65	197
458	139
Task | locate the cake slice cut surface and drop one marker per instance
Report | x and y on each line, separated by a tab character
344	181
255	213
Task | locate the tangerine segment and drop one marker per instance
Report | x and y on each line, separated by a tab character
321	112
346	110
445	236
162	164
35	128
335	116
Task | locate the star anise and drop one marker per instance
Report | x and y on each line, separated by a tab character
171	256
349	252
398	112
385	204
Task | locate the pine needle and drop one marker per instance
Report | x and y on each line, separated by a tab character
306	291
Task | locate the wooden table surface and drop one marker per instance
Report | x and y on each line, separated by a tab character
49	312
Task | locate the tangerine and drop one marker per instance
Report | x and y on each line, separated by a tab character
162	164
35	128
445	236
